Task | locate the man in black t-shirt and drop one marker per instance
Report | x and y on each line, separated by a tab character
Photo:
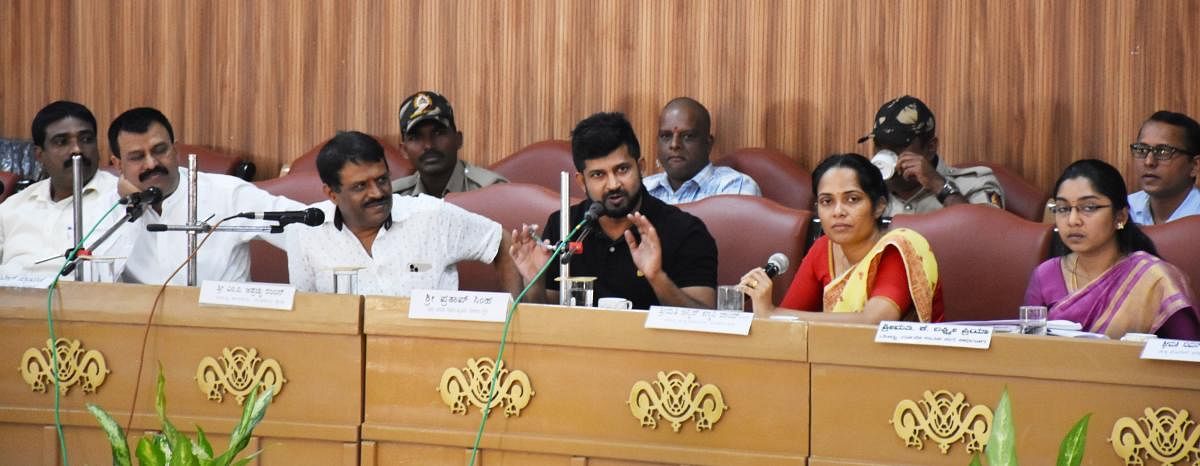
639	248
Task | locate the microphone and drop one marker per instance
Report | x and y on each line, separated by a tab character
149	196
311	216
776	264
593	213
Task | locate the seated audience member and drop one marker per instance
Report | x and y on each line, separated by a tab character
922	181
398	243
143	147
1106	276
856	272
639	248
684	144
38	223
431	142
1165	161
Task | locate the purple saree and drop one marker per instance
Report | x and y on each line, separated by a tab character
1140	293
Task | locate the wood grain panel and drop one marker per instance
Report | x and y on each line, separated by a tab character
1028	84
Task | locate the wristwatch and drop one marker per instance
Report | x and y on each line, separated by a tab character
948	189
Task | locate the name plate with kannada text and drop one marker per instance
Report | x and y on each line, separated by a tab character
917	333
475	306
699	320
1167	349
17	280
248	294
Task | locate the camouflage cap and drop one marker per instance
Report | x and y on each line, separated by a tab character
900	121
425	105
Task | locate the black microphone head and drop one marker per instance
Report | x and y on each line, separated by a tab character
153	194
593	212
314	217
156	227
776	264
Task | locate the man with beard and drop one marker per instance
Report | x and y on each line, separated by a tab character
38	223
143	147
431	142
640	248
396	243
918	179
1165	161
684	143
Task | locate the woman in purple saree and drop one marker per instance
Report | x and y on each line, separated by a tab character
1107	276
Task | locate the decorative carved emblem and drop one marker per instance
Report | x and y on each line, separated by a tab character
74	366
470	384
238	372
676	397
1164	435
939	417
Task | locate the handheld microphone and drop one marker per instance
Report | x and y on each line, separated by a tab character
311	216
776	264
149	196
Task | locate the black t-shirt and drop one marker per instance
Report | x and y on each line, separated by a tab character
689	254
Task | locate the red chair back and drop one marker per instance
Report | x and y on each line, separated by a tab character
1176	243
540	164
398	164
781	179
8	184
774	228
1020	196
510	205
985	257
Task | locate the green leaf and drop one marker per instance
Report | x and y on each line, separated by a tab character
1070	453
183	453
160	405
252	413
206	451
148	453
1001	449
247	459
116	436
975	460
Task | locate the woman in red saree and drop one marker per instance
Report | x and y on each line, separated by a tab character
1107	276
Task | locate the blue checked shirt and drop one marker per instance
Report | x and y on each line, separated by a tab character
710	181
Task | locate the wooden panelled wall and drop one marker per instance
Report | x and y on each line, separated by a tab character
1031	84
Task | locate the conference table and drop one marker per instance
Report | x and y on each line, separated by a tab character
362	383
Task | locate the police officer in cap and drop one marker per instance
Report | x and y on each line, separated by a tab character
431	142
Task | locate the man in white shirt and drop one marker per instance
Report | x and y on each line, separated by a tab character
684	143
143	146
1165	159
398	243
38	223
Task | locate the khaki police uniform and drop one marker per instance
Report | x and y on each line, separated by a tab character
977	184
466	177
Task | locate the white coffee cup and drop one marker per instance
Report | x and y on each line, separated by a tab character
614	303
886	160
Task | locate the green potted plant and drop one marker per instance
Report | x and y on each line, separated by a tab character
1001	449
171	447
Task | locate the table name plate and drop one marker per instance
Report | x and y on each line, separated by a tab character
916	333
475	306
699	320
1171	350
16	280
248	294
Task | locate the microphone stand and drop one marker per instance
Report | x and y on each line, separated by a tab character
191	221
77	204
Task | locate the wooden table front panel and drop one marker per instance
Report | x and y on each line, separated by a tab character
318	346
582	365
1052	383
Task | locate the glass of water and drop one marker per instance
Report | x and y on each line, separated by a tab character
1033	320
580	292
345	280
730	298
99	269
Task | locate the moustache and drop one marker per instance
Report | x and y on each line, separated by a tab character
86	162
377	201
159	170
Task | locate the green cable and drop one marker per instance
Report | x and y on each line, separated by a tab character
62	440
487	407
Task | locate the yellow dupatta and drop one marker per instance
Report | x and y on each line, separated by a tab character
849	293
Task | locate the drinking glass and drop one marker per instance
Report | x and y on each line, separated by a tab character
99	269
730	298
1033	320
345	280
580	291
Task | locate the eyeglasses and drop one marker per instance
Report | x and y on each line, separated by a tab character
1086	210
1162	152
